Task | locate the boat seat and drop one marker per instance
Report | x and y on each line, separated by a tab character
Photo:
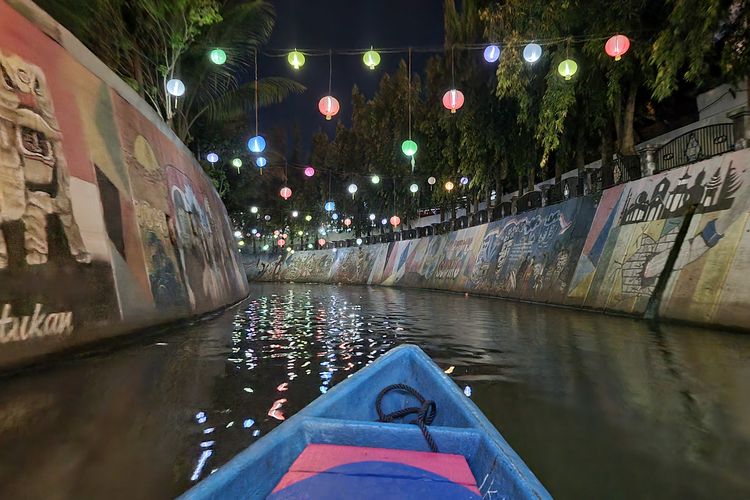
345	472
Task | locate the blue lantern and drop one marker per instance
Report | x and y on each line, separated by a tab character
492	53
335	216
261	162
330	206
256	144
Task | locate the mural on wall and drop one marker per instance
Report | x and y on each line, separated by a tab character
607	251
207	266
95	237
39	233
636	227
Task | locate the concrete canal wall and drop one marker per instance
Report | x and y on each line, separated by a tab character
107	222
615	251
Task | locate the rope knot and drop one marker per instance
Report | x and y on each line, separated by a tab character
425	413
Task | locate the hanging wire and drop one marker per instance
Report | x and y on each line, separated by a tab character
453	70
409	93
256	91
330	70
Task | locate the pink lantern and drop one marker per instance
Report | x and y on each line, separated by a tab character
321	242
309	171
285	193
329	106
281	242
617	46
347	222
453	100
395	220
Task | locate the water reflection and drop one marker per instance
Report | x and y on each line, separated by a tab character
598	406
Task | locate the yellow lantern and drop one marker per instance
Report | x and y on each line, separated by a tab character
567	68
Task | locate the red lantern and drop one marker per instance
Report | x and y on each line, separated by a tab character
453	100
329	106
617	46
285	193
321	242
347	222
281	242
395	220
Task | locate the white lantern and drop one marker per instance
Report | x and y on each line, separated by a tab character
175	87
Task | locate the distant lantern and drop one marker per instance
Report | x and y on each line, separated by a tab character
237	163
265	247
449	186
464	181
253	231
359	241
409	147
267	218
253	210
384	221
285	193
322	242
212	157
296	59
238	234
617	46
347	222
372	217
241	243
261	162
395	220
329	106
335	216
310	246
375	179
300	233
453	100
256	144
413	188
371	58
330	206
308	217
491	53
175	87
352	189
532	52
309	171
281	242
567	68
295	214
431	181
218	56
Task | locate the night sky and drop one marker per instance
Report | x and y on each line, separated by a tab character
342	24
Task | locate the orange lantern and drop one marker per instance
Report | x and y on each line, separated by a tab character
285	193
329	106
453	100
395	220
617	46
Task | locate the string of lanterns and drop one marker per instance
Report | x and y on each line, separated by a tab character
453	100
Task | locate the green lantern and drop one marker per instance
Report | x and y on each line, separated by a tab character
409	147
296	59
218	56
371	59
567	68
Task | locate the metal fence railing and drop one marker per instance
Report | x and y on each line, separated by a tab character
696	145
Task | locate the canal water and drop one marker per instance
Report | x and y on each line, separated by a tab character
598	407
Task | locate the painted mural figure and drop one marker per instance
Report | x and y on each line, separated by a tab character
34	177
